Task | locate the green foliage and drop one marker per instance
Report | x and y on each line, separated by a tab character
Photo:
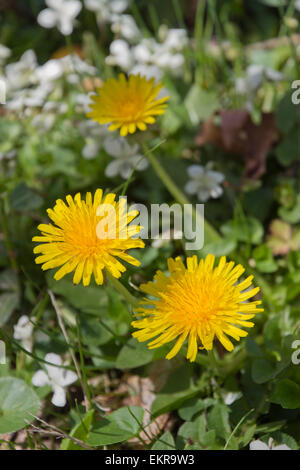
19	404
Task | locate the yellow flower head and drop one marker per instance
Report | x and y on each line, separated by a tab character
87	237
127	104
198	302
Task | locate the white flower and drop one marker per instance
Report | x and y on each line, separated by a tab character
176	39
73	67
22	73
231	397
106	8
51	70
125	26
149	71
61	13
259	445
23	332
255	76
120	54
204	182
94	137
57	377
29	97
127	158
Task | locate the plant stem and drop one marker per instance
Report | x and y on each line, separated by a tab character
122	290
212	360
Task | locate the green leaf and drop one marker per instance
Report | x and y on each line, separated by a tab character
165	442
264	260
200	104
119	426
222	248
8	302
249	230
218	419
252	348
194	406
263	370
18	402
80	431
134	354
288	151
176	392
24	199
287	394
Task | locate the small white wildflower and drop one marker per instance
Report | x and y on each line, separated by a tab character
22	73
231	397
125	26
94	138
50	71
23	332
29	97
127	158
204	182
120	54
255	76
57	377
259	445
176	39
61	13
149	71
73	67
106	8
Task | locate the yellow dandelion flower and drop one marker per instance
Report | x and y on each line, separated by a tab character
87	237
198	302
127	104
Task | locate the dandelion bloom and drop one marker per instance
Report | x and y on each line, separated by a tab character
127	104
197	302
87	237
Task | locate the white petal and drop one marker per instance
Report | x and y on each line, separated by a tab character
73	8
194	171
53	358
125	170
47	18
216	176
191	187
65	26
216	192
59	396
112	169
203	195
91	150
258	445
67	378
113	147
40	379
281	447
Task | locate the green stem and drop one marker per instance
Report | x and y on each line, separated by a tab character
212	360
122	290
82	366
209	232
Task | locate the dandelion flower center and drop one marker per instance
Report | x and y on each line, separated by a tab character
127	104
86	239
198	302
